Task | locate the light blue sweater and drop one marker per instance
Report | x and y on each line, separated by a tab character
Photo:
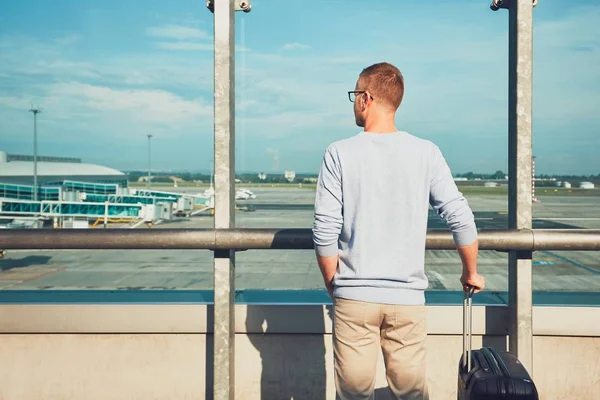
371	207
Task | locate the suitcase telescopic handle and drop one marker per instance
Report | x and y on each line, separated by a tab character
467	326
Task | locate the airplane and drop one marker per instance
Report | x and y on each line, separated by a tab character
244	194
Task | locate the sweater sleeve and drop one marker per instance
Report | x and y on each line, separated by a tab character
449	203
328	219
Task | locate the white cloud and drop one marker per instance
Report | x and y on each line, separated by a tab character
147	105
25	46
194	46
295	46
186	38
67	40
16	102
73	109
184	46
178	32
456	87
28	61
79	69
566	76
456	83
346	60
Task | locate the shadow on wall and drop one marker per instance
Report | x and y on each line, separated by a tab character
290	371
209	351
384	394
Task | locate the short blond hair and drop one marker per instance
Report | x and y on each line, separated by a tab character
385	82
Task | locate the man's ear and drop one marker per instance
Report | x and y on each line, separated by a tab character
366	99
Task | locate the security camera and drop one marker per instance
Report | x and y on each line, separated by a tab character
497	4
245	6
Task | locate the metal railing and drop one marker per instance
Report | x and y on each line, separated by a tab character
523	240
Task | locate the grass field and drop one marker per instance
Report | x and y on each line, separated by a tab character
540	191
465	189
165	185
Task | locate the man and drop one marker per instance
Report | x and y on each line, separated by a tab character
369	231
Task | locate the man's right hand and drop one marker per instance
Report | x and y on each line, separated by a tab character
329	287
476	281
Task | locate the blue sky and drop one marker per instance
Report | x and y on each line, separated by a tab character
107	73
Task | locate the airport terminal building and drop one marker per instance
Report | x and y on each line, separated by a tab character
18	170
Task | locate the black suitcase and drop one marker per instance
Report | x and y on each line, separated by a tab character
487	374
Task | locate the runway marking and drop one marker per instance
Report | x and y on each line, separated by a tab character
568	219
543	262
572	205
438	276
569	261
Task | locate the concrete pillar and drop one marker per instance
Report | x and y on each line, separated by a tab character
224	261
520	175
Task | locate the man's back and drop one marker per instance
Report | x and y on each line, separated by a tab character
369	232
373	195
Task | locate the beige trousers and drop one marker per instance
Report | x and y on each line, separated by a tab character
360	329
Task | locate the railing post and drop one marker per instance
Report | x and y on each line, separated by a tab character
520	195
224	260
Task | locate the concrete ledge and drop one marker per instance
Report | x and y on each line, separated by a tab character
302	319
267	366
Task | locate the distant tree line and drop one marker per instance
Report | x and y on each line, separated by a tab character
162	176
472	175
501	175
570	177
158	176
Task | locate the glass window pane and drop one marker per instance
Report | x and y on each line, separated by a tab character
107	270
292	102
297	269
124	137
565	123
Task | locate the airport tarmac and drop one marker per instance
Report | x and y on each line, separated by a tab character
297	269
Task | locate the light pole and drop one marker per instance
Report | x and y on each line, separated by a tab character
35	112
148	183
